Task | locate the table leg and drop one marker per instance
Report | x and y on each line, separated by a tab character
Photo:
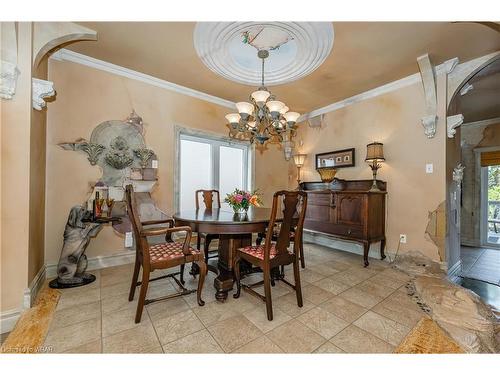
228	243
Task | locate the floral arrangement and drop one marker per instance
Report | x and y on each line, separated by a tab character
241	200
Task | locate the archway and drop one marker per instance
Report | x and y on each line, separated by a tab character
473	117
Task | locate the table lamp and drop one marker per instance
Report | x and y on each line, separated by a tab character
299	162
374	156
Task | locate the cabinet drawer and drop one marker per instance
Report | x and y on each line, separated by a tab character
348	231
319	199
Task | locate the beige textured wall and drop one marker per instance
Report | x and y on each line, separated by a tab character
37	182
15	179
87	97
393	119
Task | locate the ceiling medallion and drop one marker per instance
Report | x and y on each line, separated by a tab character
295	49
264	118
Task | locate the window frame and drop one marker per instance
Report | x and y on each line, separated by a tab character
215	141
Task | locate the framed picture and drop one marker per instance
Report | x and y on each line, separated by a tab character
336	159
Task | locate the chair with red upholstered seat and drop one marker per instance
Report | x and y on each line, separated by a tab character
160	256
272	255
276	229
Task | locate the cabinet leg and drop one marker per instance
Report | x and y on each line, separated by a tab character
382	249
366	248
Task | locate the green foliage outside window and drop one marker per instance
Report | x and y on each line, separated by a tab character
494	192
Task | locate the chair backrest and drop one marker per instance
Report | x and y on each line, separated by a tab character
293	204
208	198
141	244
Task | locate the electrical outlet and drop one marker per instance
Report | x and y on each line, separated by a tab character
429	168
402	238
129	240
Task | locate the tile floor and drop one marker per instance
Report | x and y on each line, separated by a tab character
347	308
481	264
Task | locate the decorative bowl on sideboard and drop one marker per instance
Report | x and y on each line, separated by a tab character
327	174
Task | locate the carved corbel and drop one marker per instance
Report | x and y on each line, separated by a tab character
8	60
93	150
429	123
41	89
428	75
458	173
453	122
8	79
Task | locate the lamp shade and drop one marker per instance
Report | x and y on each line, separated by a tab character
375	152
284	110
260	96
291	116
244	108
299	159
275	105
233	118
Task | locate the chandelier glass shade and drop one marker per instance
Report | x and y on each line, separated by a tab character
263	118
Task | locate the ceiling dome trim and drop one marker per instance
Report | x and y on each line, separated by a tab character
221	48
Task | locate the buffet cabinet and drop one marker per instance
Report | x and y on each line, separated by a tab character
348	210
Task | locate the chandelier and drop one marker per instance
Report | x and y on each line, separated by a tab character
264	119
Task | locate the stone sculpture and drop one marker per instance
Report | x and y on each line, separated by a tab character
119	155
144	155
118	148
73	261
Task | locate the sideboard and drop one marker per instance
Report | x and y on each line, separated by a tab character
348	210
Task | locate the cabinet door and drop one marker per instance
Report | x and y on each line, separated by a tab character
350	209
318	207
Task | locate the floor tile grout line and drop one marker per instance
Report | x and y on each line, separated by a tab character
298	321
292	318
154	329
210	333
365	331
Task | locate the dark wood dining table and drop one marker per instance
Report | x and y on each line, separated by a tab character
234	230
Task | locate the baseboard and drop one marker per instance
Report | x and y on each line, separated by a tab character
455	271
31	292
96	263
323	239
8	320
470	243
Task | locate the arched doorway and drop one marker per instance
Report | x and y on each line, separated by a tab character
474	200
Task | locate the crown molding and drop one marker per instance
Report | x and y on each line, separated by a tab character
75	57
445	67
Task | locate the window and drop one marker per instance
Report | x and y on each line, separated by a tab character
211	163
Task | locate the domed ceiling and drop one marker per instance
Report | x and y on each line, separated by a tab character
296	49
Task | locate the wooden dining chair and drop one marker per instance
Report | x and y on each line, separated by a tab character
164	255
209	198
276	230
276	254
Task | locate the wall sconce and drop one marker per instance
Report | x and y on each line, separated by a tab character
375	156
299	160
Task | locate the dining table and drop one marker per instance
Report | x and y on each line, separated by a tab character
234	230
